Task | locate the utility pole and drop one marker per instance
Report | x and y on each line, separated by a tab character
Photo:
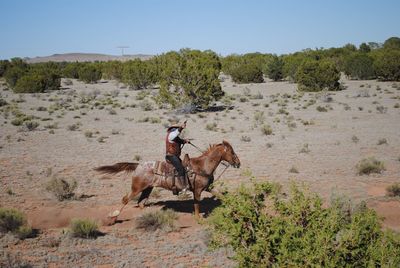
122	49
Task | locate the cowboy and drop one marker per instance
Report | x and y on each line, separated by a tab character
173	152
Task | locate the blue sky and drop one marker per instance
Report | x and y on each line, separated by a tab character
32	28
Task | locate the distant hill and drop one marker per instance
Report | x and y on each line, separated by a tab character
85	57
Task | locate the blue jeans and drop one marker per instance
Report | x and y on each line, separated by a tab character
177	163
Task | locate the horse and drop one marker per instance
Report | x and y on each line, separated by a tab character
200	173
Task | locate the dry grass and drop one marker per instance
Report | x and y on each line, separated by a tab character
12	220
266	129
157	220
84	228
370	165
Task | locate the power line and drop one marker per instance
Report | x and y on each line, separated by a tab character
122	49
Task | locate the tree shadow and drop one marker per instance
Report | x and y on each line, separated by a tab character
207	205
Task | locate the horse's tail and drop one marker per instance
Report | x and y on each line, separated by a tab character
118	167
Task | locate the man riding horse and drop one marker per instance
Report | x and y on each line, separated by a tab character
174	145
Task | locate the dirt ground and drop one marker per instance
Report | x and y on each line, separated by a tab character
317	139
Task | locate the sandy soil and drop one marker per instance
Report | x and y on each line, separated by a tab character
324	147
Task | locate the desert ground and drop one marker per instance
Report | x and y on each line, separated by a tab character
317	139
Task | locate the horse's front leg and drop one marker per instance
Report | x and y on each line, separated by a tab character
197	197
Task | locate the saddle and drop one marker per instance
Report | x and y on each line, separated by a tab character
166	169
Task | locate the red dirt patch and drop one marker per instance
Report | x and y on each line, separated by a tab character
377	190
56	217
390	210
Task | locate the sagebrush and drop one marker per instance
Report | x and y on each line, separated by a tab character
268	229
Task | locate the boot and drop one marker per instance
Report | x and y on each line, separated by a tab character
183	182
174	189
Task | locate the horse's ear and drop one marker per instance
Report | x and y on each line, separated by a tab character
224	142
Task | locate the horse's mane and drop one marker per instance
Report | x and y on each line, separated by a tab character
211	148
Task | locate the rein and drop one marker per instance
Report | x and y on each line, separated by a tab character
226	167
200	150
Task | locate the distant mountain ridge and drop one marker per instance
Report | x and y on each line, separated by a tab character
86	57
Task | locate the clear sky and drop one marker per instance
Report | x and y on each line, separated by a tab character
32	28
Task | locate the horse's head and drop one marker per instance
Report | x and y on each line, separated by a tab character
229	155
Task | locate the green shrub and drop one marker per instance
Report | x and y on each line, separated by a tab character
4	65
291	65
392	43
139	74
359	66
231	62
61	188
161	219
370	165
387	64
37	81
71	70
13	74
14	71
268	229
275	68
393	190
247	73
11	219
84	228
364	48
189	77
30	83
313	75
89	73
112	70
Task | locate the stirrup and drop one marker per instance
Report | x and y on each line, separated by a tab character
184	191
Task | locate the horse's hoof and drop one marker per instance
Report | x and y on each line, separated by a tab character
198	216
115	214
109	221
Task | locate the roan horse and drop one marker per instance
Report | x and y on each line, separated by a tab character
200	170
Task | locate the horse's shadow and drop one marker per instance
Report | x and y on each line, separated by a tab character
207	205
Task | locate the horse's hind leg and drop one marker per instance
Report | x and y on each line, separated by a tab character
138	185
144	197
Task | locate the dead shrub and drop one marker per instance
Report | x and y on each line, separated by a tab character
393	190
61	188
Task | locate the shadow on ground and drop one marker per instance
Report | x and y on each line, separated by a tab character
207	205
